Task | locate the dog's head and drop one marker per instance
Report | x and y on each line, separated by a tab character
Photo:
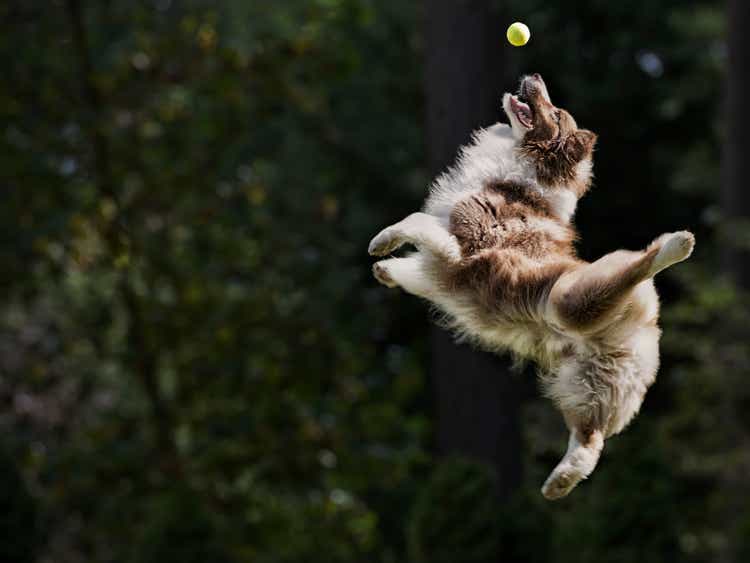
550	137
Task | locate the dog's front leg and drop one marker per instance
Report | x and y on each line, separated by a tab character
423	231
410	273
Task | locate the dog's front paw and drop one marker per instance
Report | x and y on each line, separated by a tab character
381	273
560	482
385	242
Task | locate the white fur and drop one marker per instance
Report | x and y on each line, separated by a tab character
410	272
563	202
578	463
418	229
675	247
493	155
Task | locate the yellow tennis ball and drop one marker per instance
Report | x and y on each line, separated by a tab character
518	34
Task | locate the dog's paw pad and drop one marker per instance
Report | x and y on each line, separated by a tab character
559	484
384	243
382	274
675	247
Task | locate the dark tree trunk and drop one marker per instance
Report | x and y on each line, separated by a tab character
736	187
735	204
477	398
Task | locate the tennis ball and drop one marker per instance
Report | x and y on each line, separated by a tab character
518	34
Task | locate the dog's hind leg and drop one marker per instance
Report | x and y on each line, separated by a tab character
592	295
585	399
584	450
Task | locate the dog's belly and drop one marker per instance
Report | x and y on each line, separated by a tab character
521	330
536	342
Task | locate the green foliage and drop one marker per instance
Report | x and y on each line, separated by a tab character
639	498
186	299
455	516
179	530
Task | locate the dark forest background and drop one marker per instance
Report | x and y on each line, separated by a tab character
195	363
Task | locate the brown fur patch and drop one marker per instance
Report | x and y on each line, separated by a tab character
555	144
520	193
555	159
505	284
500	216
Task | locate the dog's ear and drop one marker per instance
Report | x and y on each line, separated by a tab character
580	145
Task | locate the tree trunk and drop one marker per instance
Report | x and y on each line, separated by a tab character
735	203
477	399
736	185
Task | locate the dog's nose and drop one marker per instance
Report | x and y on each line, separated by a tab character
536	76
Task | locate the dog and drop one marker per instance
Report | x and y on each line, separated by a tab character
495	255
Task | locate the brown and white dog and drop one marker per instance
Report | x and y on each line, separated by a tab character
495	255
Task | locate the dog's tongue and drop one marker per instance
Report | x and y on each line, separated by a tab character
522	111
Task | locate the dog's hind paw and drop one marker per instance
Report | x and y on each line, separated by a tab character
560	482
673	248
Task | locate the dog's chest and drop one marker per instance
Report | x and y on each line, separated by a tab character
491	156
506	215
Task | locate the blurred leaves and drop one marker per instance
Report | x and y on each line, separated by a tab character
186	299
455	517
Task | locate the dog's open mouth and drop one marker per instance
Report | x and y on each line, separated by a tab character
522	111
